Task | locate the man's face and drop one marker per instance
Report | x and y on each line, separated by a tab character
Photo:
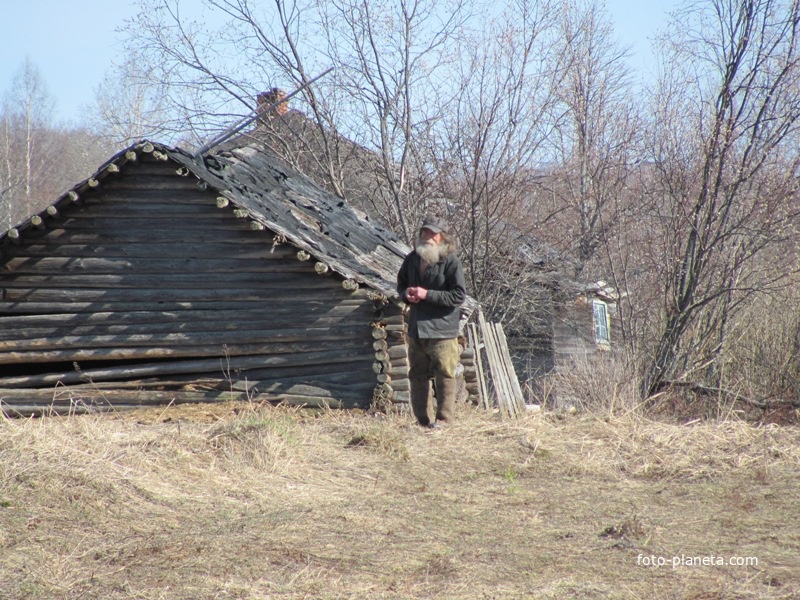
429	237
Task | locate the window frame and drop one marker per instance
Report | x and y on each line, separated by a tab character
601	322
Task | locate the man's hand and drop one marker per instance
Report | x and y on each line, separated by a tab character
416	294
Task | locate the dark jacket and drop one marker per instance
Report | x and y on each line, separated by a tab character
437	316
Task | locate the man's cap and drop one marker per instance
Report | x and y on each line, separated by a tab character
434	223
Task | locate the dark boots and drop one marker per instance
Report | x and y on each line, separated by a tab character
446	388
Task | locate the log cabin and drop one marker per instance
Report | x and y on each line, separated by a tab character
570	321
561	319
168	278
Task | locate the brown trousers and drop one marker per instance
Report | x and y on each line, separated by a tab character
437	358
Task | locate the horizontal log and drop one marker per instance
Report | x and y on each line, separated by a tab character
120	206
21	336
393	320
398	371
358	392
398	352
166	184
156	295
66	396
213	223
281	365
286	282
242	234
331	377
401	397
20	410
113	249
162	352
343	332
279	313
100	217
32	266
470	371
400	385
343	373
64	307
69	401
146	167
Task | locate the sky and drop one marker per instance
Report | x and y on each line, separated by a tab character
74	43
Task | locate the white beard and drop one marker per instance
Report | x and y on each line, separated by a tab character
429	251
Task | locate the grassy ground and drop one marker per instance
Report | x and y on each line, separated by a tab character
235	501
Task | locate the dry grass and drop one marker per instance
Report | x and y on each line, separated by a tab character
238	501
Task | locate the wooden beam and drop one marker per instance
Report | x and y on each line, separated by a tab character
318	362
159	296
241	336
181	350
64	306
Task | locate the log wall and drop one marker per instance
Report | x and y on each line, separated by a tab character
150	282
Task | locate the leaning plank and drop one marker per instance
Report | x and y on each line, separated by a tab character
511	375
483	395
499	372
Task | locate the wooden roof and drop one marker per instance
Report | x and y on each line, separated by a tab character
275	197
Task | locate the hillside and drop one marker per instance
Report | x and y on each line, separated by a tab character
240	501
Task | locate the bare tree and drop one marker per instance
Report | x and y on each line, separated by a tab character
128	106
38	158
26	108
390	56
487	146
597	133
724	146
385	55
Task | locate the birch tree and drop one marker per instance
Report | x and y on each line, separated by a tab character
128	106
38	157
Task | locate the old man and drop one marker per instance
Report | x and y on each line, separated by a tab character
431	281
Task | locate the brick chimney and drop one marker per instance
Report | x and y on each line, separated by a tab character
275	95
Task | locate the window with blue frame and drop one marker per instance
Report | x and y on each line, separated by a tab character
602	323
